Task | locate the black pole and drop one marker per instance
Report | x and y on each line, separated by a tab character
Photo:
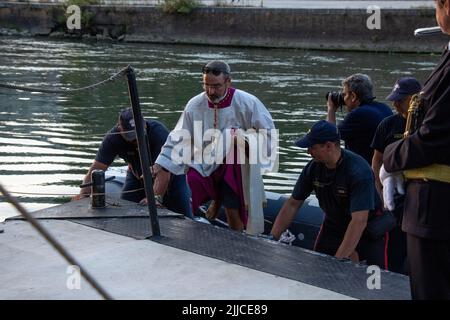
142	140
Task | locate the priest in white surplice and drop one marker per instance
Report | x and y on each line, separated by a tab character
205	145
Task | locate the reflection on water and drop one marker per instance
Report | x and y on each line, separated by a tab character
47	142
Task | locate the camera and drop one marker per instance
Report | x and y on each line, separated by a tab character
336	97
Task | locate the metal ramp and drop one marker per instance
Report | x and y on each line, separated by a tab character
295	263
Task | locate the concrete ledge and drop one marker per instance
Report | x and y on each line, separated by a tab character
130	269
326	29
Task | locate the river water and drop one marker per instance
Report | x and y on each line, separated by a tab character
48	141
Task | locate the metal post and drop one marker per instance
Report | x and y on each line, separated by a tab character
98	189
142	139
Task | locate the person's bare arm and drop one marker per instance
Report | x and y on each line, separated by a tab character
162	179
353	234
285	216
85	192
331	110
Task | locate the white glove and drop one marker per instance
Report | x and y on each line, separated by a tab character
287	237
392	183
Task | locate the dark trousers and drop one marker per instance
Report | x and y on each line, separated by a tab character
176	199
429	268
397	251
397	240
371	251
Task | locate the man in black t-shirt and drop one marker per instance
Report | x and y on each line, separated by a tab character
344	185
121	142
390	130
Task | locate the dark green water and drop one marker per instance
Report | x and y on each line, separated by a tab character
48	141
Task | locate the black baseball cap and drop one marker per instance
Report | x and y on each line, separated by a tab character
321	132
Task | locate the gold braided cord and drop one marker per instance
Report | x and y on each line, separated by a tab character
413	111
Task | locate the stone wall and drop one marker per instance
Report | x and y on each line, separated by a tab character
343	29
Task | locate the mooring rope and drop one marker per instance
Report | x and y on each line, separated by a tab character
70	91
29	135
70	194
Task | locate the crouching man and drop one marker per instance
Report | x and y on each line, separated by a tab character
344	185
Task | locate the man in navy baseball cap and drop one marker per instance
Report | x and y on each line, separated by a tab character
321	132
344	185
390	130
406	86
120	142
127	126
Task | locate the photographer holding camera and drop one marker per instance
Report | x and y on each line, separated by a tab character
364	114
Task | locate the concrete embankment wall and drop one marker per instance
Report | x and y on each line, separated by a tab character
343	29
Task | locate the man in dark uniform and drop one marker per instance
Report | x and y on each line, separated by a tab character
121	142
389	130
424	157
364	114
344	185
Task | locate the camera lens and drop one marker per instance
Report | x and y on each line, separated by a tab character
336	97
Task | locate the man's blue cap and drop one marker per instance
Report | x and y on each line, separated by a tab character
406	86
126	120
321	132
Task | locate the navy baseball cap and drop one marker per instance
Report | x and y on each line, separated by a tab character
126	121
405	86
321	132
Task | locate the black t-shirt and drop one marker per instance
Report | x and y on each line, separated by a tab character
389	130
341	191
114	145
359	126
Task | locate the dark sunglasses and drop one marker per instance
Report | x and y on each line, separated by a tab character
214	71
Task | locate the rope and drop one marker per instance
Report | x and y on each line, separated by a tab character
122	205
71	194
56	245
76	90
107	134
28	135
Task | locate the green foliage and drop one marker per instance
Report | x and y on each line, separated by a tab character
86	17
179	6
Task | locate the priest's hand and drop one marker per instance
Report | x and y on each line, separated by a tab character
158	202
162	179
